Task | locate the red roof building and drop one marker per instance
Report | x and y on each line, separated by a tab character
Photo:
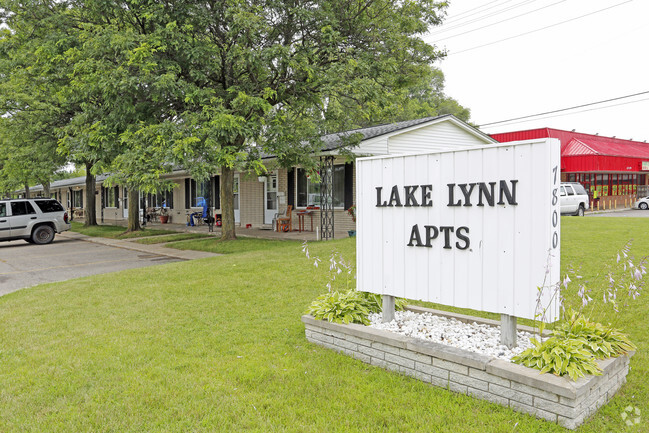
612	166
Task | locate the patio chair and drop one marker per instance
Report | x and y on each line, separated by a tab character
285	221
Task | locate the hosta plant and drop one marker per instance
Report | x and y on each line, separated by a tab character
602	341
341	307
560	357
343	303
375	302
349	307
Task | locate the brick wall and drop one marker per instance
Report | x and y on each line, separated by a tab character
556	399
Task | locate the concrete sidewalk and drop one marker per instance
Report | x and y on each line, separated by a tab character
158	249
260	233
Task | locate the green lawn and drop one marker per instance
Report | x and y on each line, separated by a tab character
160	239
243	244
216	345
116	232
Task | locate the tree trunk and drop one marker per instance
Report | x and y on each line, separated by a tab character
27	190
46	189
91	186
133	210
227	204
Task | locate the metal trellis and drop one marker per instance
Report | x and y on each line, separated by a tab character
326	197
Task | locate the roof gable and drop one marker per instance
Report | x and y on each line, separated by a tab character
371	136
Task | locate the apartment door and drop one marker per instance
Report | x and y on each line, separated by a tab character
125	203
270	198
235	189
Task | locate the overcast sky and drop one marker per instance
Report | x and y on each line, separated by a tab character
599	53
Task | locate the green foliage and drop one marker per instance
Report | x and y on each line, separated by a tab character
136	89
574	347
560	357
602	341
375	302
349	307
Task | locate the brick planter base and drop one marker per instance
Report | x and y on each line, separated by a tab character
556	399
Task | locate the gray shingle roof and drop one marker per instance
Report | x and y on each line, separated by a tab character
69	182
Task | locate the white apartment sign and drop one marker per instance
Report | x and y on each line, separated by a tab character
475	228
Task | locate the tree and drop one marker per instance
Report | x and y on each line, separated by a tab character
29	116
212	85
257	75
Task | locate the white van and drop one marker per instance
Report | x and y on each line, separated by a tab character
574	198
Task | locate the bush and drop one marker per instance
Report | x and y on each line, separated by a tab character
375	302
559	357
349	307
602	341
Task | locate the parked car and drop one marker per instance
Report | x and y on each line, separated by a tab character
642	203
34	220
574	198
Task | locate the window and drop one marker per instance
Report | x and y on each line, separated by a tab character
47	206
165	199
194	190
77	198
111	197
161	199
339	186
21	208
308	192
3	210
569	190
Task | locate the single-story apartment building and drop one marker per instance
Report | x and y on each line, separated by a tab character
257	199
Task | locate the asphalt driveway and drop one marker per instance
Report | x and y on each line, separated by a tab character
72	256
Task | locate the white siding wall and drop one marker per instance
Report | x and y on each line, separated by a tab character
437	137
373	146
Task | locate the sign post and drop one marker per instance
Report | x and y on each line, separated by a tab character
508	330
388	309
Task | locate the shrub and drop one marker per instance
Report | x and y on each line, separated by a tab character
559	357
343	303
349	307
602	341
375	302
576	341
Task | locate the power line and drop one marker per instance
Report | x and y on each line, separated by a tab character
501	21
538	30
444	27
576	112
458	16
565	109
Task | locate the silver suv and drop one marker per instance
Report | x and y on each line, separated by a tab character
574	198
35	220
